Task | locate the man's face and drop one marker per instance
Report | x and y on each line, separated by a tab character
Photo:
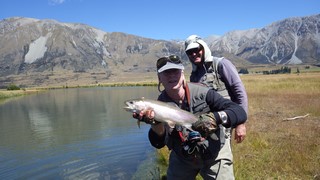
171	78
195	55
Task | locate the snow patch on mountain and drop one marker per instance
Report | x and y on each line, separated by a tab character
37	49
294	59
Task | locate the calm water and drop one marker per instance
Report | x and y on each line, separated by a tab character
74	134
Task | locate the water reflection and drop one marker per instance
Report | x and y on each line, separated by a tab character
73	133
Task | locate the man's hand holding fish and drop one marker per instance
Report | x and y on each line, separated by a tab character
146	116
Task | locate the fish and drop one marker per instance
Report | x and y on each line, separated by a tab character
164	112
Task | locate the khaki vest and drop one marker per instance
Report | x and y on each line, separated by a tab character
213	79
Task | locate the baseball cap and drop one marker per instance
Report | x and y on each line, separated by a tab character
169	62
191	42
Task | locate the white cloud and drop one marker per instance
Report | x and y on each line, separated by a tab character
56	2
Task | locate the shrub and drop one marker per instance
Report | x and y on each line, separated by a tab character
13	87
244	71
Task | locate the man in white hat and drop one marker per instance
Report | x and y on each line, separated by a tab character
221	75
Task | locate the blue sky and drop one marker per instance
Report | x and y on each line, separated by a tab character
163	19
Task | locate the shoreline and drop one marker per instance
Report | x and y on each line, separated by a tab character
5	94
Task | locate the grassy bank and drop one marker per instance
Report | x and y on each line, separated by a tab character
277	148
5	94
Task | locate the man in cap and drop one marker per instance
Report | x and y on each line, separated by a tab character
221	75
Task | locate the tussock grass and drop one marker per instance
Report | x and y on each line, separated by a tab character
7	94
274	148
162	161
4	94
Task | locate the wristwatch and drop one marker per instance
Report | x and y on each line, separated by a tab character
223	117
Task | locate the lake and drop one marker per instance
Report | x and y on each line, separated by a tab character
81	133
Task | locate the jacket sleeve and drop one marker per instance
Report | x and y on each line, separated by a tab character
234	85
155	140
236	114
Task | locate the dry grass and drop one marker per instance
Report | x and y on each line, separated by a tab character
8	94
70	79
274	148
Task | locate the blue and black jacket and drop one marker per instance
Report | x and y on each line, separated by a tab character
200	99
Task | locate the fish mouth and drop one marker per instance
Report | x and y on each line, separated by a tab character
129	106
128	109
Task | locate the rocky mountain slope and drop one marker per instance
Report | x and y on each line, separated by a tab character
47	45
46	52
290	41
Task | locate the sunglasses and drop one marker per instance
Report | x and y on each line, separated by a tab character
163	61
194	50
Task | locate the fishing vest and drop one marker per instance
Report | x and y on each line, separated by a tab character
211	78
196	97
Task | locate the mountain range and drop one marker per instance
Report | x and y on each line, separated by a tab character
289	41
46	52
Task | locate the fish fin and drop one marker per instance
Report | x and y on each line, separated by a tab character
188	127
214	136
171	124
138	122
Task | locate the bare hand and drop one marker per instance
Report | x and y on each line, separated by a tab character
146	116
240	133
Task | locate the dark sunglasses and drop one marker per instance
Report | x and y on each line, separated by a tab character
194	50
163	61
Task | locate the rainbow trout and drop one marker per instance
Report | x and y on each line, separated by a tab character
164	112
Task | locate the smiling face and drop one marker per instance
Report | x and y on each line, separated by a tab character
195	55
171	79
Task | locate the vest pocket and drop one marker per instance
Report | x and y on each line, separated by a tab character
210	80
200	107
